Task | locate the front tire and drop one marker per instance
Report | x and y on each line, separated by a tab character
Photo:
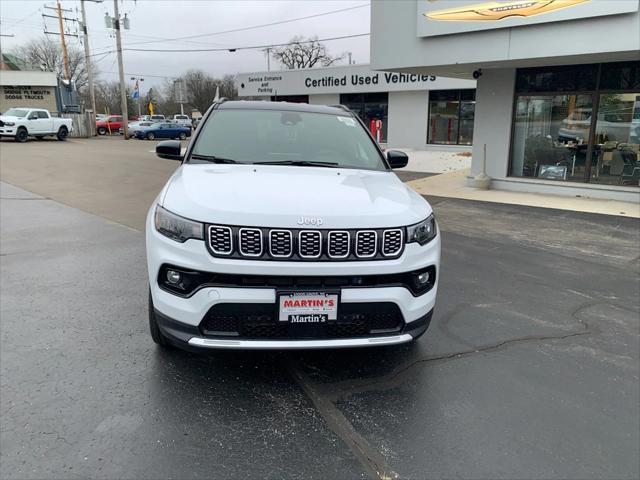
183	136
62	134
102	131
22	135
151	136
156	334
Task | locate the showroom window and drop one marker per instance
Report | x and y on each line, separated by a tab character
451	114
369	106
578	123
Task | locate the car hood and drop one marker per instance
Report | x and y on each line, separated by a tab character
278	196
10	118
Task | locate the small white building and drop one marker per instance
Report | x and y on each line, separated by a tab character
417	111
35	89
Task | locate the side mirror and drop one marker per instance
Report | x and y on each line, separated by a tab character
169	149
397	159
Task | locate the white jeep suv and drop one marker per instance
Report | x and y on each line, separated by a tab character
285	228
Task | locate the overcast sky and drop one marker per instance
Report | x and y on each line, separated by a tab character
155	21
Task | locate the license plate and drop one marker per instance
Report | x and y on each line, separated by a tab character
307	307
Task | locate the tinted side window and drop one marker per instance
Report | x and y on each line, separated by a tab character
42	114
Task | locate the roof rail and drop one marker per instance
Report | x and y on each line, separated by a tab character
220	101
341	107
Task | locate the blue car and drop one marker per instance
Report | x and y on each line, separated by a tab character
164	130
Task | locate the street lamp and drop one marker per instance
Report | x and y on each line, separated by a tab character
136	94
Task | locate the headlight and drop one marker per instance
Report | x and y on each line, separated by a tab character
9	124
422	232
177	228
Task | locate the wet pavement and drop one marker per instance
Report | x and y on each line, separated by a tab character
529	369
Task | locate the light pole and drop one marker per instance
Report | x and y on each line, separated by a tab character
138	80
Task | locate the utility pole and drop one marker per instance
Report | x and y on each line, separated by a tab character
65	55
62	33
123	90
268	50
87	58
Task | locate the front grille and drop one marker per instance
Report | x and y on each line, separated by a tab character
250	243
280	243
338	244
392	242
258	321
310	243
366	243
220	240
305	245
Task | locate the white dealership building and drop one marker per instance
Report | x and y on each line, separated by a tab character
415	111
558	84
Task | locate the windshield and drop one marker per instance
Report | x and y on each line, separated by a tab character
16	112
274	136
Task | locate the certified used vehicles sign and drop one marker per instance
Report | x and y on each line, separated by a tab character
308	307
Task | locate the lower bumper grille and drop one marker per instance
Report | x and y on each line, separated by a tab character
259	321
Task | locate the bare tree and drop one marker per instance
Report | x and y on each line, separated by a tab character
301	53
108	99
200	88
228	87
45	54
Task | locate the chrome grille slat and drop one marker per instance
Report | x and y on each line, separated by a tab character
338	244
262	243
280	243
221	240
366	243
392	242
309	244
250	242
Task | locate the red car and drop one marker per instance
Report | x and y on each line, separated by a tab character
110	124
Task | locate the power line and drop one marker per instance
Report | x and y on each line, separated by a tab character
253	47
243	29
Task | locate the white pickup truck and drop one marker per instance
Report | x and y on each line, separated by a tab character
183	120
23	122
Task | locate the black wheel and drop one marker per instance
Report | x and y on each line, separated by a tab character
62	134
150	136
102	131
39	137
183	136
156	334
22	135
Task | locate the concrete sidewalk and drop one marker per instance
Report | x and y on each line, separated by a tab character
453	185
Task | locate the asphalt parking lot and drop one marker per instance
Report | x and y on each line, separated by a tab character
530	368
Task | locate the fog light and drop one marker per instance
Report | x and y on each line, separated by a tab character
423	278
173	277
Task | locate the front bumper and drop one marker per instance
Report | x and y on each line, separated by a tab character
188	337
181	318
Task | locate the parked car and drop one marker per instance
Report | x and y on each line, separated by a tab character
109	125
164	130
22	123
183	120
157	118
268	236
136	126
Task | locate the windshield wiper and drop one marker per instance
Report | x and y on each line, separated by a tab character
212	158
299	163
